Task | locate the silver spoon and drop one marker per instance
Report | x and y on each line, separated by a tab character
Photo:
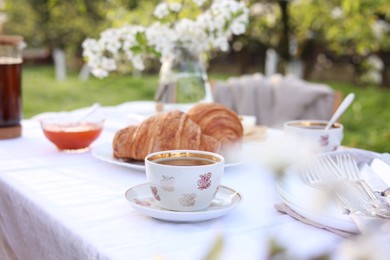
91	110
385	193
340	110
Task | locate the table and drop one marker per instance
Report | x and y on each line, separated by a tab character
72	206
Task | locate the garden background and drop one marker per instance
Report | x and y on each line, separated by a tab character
345	44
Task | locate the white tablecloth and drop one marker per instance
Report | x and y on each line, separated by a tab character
72	206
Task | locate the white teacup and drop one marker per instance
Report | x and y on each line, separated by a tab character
184	180
313	132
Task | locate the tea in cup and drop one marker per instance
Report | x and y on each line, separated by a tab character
313	132
184	180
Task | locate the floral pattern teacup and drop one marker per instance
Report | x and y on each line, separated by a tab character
313	132
184	180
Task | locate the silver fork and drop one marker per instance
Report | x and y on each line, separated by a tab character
354	194
352	204
349	166
322	171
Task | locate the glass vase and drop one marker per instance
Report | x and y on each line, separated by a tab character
183	82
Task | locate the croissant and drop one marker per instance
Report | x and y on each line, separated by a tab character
219	122
165	131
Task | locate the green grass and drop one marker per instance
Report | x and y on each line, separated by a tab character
366	122
41	92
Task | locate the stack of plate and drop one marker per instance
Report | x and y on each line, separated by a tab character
315	205
312	203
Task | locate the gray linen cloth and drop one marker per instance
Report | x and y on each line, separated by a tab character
275	99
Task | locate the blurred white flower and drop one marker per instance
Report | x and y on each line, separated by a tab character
373	77
175	7
210	30
3	18
271	19
380	28
108	64
336	12
258	9
99	72
370	246
161	10
373	67
138	62
238	28
375	62
199	2
281	151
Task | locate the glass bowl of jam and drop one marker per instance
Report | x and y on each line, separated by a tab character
70	135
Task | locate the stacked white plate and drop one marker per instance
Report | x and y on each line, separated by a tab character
312	203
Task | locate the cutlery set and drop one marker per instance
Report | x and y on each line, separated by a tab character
341	178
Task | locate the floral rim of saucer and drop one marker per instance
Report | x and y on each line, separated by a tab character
141	198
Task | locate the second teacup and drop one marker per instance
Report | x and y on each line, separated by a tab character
313	132
184	180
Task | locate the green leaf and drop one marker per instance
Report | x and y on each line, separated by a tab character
141	38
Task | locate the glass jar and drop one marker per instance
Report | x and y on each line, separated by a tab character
10	86
182	82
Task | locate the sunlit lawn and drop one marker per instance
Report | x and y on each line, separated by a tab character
41	92
367	122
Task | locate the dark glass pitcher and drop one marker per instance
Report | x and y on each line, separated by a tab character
10	86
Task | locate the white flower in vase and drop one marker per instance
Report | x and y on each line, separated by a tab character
209	30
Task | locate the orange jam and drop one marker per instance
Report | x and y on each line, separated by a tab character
72	136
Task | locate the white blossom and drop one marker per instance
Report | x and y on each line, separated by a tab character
138	62
199	2
258	9
108	64
237	28
368	246
221	43
271	19
380	28
161	10
211	29
175	7
375	62
100	73
336	12
373	70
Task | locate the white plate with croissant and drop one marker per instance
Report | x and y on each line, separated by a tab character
206	126
105	153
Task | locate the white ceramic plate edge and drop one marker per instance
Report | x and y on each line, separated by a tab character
341	222
103	152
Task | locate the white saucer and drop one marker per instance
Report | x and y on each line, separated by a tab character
141	198
104	153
